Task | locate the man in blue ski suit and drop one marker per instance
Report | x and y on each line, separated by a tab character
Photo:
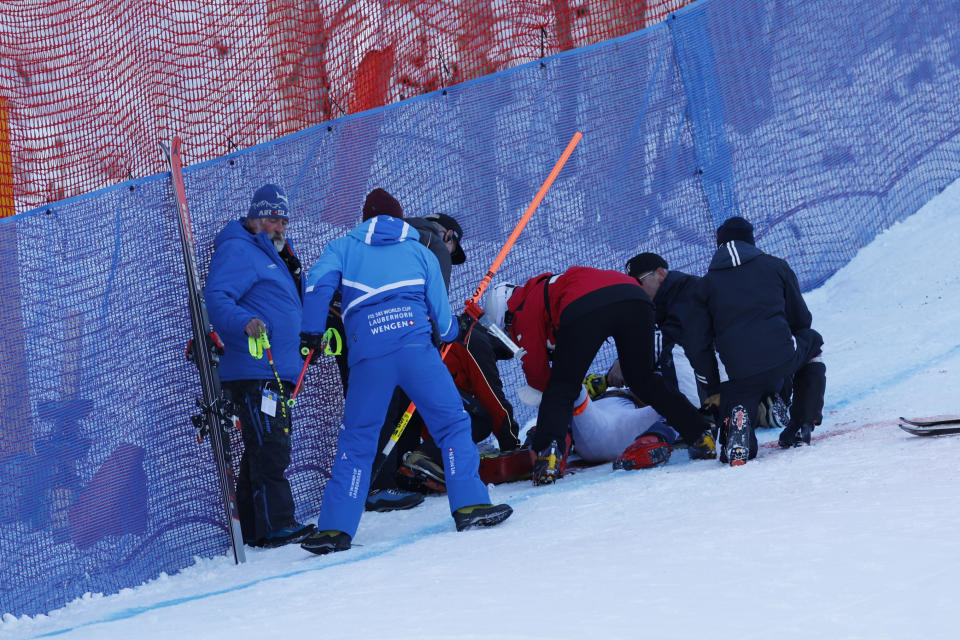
254	286
392	291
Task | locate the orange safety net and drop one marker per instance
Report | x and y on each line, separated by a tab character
90	86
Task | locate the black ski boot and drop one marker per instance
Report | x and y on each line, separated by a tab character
481	515
796	436
289	535
323	542
548	467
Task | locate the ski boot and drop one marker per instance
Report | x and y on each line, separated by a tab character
796	436
323	542
550	463
648	450
481	515
705	448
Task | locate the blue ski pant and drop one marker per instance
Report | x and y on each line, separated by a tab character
419	371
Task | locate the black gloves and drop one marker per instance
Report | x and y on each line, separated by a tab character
312	341
466	321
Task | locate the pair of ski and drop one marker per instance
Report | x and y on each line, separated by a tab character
933	427
215	418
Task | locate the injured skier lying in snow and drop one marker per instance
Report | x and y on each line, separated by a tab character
617	426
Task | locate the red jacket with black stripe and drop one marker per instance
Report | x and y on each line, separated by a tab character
539	306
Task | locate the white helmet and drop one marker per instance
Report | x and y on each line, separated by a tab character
495	302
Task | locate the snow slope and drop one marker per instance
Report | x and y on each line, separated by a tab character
857	536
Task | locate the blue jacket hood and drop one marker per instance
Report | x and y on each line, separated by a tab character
391	286
384	230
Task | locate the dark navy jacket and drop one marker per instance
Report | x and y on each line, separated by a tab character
675	306
430	238
753	308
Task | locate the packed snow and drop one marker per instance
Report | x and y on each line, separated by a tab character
857	536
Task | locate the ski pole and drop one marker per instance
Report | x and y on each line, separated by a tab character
257	347
495	266
329	335
471	304
308	354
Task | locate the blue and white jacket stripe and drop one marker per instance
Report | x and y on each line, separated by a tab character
391	286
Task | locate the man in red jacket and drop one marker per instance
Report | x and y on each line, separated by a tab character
562	321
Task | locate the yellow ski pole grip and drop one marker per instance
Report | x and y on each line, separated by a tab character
256	345
332	336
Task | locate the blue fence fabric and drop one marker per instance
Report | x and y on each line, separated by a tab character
821	121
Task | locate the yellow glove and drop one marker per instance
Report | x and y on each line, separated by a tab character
711	403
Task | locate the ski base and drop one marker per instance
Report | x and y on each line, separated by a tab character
932	422
942	429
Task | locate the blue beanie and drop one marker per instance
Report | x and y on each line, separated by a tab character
269	201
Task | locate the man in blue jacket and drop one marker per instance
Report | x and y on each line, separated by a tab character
753	309
392	295
254	287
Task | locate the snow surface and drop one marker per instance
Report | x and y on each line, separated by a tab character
857	536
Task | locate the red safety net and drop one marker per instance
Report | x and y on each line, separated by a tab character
90	86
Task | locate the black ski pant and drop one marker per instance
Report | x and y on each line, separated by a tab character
631	325
746	392
666	368
486	350
807	379
264	501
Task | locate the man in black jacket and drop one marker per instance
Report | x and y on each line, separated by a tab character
753	311
672	293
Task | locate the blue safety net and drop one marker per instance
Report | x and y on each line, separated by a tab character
821	121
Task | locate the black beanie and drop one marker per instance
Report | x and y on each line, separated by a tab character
381	203
644	263
735	228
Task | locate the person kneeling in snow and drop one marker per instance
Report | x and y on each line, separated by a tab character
393	292
752	309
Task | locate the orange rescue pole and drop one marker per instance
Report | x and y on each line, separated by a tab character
471	305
